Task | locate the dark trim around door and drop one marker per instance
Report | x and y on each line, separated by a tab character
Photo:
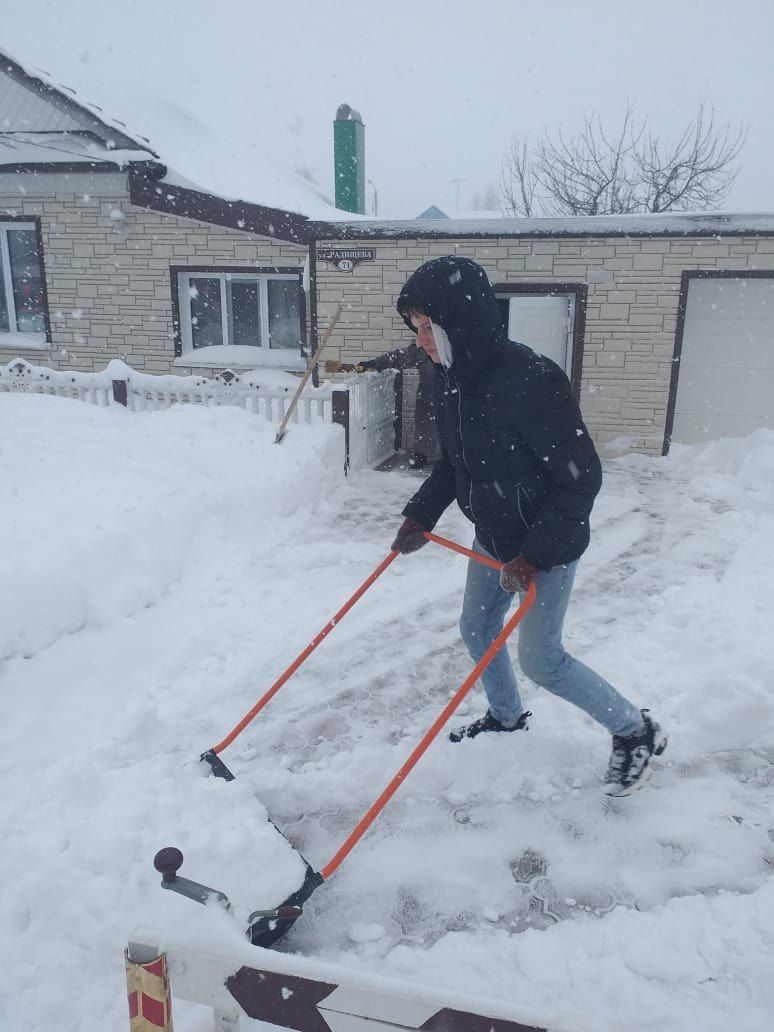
312	334
580	292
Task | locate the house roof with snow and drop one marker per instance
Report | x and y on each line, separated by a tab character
662	224
44	123
46	126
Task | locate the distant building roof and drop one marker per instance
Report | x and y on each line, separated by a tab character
433	213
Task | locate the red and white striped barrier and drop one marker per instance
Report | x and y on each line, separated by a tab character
307	996
147	991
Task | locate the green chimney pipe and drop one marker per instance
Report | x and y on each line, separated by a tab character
349	159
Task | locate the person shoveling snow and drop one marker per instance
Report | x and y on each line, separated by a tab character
520	461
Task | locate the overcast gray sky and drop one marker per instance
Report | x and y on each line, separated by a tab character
441	85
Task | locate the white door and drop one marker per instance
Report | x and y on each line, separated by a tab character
725	385
544	322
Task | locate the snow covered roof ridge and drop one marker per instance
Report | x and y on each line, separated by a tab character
673	223
112	131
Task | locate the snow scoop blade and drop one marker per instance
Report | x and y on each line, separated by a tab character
266	927
219	768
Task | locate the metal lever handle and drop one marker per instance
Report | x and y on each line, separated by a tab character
168	862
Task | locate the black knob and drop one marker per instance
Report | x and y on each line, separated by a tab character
167	862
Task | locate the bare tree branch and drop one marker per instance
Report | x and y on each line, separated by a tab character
697	172
518	183
628	171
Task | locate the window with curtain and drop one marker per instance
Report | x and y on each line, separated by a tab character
22	296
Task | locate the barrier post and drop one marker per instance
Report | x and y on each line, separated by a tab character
148	992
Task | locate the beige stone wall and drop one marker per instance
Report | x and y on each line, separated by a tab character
109	294
633	289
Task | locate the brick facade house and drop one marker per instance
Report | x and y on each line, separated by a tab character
665	324
627	282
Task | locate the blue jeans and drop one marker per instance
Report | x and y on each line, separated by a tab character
542	657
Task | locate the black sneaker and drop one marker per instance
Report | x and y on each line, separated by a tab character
629	766
488	723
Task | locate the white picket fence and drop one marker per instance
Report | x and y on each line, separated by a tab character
364	406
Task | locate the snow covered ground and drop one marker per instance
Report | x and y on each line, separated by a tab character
159	570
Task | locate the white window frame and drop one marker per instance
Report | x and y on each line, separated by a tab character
285	357
5	271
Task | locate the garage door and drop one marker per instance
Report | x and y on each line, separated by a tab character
725	385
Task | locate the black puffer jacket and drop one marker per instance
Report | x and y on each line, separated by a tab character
515	451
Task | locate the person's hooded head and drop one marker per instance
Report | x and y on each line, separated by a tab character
456	296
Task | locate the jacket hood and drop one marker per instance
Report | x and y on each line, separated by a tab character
456	294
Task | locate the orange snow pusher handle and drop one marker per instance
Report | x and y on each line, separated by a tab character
265	927
212	756
219	768
443	716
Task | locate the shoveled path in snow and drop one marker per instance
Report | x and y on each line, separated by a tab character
473	828
485	839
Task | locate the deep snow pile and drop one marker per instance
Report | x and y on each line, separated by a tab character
160	570
98	531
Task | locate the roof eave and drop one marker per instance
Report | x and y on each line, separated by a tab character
146	191
680	225
56	97
71	167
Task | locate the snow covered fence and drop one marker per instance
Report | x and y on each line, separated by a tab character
306	995
364	406
143	392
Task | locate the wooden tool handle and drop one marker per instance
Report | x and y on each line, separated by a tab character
307	374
